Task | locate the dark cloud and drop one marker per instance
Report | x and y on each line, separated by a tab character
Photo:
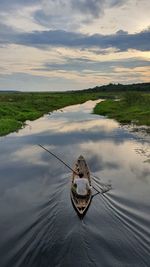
113	3
44	19
121	32
95	8
7	34
56	21
121	40
71	14
9	4
82	64
90	7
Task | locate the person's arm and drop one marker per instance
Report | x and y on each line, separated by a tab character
89	187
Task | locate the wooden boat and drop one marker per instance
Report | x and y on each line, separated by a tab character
81	203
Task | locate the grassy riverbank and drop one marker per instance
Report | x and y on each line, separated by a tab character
16	108
132	107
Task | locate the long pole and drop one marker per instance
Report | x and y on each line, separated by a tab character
57	158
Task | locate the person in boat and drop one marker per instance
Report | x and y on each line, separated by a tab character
81	186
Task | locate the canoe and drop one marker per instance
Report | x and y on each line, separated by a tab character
81	203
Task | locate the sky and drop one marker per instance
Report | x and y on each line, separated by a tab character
59	45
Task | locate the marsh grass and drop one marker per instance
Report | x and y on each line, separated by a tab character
16	108
133	107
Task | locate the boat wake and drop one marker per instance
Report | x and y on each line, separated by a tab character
100	186
111	233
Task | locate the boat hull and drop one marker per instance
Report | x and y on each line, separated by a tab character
83	205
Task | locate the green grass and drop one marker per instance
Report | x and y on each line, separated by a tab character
16	108
8	125
133	107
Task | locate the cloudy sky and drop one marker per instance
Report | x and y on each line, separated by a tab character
73	44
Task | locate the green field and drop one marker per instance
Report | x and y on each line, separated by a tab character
132	107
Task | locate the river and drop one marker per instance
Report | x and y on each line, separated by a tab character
38	224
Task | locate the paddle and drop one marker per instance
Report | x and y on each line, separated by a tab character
98	192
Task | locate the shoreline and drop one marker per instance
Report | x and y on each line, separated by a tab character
134	109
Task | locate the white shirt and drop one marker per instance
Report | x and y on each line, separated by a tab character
82	186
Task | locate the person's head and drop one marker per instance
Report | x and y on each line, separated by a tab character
80	174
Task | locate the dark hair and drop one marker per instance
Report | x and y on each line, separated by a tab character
80	174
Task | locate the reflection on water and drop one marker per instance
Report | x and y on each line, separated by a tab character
38	224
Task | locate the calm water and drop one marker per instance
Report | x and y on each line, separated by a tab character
38	225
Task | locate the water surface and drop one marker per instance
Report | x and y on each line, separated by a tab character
38	225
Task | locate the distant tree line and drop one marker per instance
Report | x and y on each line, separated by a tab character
139	87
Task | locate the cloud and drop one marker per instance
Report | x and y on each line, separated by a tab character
121	40
91	7
95	8
87	7
71	14
56	20
9	4
84	64
73	43
113	3
7	34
